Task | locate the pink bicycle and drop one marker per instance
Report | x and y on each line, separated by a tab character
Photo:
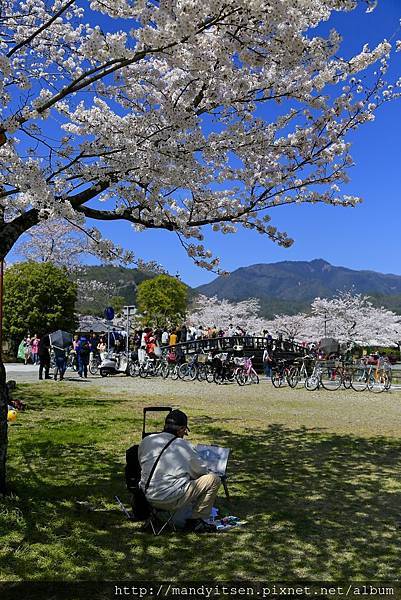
245	373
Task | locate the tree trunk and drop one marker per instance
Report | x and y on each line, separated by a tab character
9	234
3	428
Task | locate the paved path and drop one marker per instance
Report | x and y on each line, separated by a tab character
152	385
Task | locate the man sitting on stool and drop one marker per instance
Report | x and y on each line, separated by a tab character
181	477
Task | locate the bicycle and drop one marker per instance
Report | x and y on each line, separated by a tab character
148	367
298	372
379	380
223	368
189	370
331	375
360	376
246	373
170	369
325	375
280	373
313	382
94	364
205	369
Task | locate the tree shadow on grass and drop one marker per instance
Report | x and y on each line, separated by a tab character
318	506
55	395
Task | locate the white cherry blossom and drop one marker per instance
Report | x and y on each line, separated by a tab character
164	117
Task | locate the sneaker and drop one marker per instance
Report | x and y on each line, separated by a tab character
199	526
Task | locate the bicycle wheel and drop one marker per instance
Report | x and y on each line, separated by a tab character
240	377
331	379
277	379
253	377
93	367
174	373
192	372
359	380
183	371
209	374
293	377
143	372
218	377
134	369
165	371
312	383
201	372
346	379
377	383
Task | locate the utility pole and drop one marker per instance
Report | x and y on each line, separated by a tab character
128	310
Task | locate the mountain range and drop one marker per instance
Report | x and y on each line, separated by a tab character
284	287
290	286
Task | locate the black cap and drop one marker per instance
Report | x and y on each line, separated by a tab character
176	419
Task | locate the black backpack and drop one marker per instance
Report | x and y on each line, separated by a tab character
85	349
140	506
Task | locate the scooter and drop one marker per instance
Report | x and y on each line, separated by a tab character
114	363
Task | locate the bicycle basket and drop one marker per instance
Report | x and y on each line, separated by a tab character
240	361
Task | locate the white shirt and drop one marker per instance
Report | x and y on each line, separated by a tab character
165	337
177	466
266	356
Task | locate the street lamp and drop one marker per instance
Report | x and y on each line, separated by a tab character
128	311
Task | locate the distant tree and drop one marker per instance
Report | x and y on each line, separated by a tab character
117	302
95	295
38	298
55	241
222	313
348	317
162	299
289	326
351	317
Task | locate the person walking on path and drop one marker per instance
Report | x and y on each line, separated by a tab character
267	360
61	362
44	356
83	353
28	350
35	346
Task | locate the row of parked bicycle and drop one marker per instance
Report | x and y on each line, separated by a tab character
309	372
219	369
332	375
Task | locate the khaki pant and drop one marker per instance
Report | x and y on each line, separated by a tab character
201	494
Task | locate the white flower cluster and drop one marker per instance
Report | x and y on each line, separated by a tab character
158	115
348	317
222	313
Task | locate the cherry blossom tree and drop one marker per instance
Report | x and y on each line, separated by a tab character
54	241
289	326
65	243
210	312
166	122
348	317
351	317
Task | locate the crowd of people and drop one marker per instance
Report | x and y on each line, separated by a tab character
143	342
37	351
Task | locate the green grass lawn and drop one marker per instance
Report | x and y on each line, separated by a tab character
317	479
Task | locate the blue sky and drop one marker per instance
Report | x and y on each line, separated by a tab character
366	237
